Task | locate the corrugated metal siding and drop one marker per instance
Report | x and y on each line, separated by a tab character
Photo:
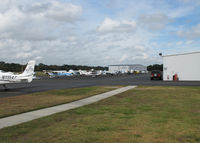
186	66
125	68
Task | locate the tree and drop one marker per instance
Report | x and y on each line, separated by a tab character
155	67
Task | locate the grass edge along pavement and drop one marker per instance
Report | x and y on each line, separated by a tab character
145	114
30	102
28	116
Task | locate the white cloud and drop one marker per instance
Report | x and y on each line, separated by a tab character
179	12
110	25
37	58
37	21
64	12
190	1
26	47
156	21
10	19
189	42
123	48
123	58
179	43
6	5
58	11
145	55
192	33
140	47
23	55
140	56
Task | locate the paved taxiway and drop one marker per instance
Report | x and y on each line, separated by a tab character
73	82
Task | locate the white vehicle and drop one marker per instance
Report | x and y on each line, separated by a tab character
25	77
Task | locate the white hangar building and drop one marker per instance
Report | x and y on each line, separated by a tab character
185	66
127	68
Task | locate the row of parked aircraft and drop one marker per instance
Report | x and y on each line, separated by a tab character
28	74
91	72
53	74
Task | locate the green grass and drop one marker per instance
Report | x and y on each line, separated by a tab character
19	104
142	115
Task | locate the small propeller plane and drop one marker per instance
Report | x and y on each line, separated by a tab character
25	77
59	73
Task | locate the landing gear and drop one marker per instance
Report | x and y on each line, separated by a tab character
5	88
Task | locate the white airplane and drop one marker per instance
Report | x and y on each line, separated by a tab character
53	74
26	76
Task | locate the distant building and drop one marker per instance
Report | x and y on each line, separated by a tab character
185	67
127	68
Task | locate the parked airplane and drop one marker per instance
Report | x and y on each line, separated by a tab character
26	76
59	73
88	73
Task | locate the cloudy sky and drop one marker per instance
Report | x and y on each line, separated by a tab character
97	32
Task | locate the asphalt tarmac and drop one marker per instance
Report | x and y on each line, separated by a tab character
45	84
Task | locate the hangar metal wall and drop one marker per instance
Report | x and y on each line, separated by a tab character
118	68
186	66
126	68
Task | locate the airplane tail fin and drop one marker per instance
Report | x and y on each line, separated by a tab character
29	71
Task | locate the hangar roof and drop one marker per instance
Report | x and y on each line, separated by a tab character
182	54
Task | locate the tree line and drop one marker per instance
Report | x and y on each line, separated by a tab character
13	67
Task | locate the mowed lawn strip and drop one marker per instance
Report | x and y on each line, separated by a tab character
142	115
19	104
